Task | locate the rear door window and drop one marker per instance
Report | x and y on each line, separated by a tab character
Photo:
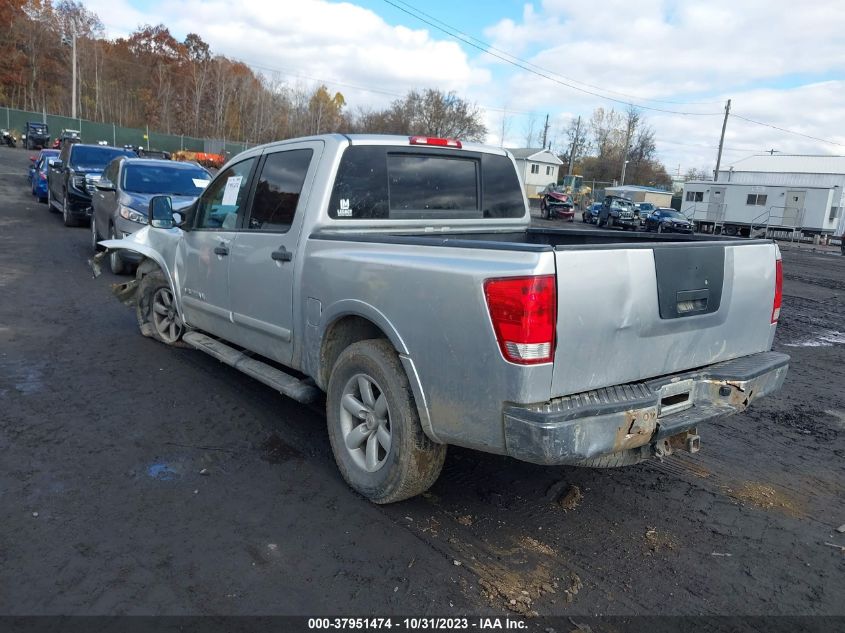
387	183
279	187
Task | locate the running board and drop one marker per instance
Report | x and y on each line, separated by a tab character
286	384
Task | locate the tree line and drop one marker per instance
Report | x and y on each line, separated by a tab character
602	143
183	87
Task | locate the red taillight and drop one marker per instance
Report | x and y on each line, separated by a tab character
42	176
778	290
524	315
439	142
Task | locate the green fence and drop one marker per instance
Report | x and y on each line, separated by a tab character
93	132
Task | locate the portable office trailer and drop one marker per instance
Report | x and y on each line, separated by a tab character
796	171
744	208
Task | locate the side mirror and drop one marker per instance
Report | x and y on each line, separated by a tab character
33	158
104	185
161	212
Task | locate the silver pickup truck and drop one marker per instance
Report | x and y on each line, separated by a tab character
401	277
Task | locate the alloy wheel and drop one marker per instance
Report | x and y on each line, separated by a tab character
365	423
166	319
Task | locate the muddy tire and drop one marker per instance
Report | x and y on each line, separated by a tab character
116	264
50	206
374	427
67	217
156	312
616	460
95	236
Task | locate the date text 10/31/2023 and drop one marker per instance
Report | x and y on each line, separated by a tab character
414	624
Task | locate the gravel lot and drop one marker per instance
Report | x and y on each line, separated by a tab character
104	510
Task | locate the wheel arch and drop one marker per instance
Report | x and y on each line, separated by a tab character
355	321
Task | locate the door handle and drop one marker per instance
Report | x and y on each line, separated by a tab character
221	250
282	255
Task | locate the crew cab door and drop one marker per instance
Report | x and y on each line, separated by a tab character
204	253
264	252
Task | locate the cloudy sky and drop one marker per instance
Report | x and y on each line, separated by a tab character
781	62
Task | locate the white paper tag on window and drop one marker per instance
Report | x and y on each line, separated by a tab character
201	184
230	194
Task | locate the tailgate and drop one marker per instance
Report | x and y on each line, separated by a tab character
629	313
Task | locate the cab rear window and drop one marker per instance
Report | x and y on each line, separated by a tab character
390	183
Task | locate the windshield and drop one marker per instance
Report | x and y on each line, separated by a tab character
95	157
646	206
674	215
39	128
165	179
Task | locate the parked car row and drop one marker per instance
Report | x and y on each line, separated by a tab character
617	212
109	188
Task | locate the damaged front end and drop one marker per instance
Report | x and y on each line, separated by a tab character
158	248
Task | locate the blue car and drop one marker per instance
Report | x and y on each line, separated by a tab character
38	173
590	215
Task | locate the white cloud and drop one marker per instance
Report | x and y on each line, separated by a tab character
316	39
688	52
779	62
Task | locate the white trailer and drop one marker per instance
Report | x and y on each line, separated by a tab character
761	210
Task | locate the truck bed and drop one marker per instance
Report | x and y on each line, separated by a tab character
630	305
538	240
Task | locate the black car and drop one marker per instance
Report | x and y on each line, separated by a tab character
71	178
36	135
665	220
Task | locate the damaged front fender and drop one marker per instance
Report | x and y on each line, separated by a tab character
158	246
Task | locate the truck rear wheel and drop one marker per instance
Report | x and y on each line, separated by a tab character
374	427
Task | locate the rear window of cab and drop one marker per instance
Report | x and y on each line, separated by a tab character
392	183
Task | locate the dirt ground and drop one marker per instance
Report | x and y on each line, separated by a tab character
138	479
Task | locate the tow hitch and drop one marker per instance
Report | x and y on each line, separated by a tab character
688	441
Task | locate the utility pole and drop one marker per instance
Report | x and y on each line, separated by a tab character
545	131
625	153
722	141
73	103
574	145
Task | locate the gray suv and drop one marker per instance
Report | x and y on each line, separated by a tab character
122	198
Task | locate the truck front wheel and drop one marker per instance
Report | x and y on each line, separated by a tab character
374	427
156	310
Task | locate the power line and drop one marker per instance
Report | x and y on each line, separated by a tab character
783	129
545	74
731	149
524	61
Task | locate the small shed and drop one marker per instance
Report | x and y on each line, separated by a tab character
637	193
537	168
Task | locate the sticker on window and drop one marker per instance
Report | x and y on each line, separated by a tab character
344	211
200	183
230	194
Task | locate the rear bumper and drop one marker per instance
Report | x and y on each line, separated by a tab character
575	428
